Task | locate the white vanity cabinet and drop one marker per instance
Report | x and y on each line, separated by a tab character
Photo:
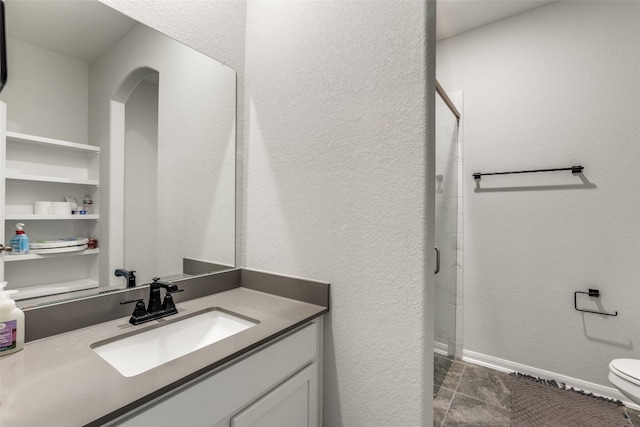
285	406
37	168
275	386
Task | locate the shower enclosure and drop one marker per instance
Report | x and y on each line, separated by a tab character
448	236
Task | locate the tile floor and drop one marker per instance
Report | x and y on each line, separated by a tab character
472	395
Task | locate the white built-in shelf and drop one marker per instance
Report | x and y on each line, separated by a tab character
31	217
53	288
49	142
44	178
28	257
41	160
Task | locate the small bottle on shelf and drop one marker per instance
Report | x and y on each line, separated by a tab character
20	242
86	204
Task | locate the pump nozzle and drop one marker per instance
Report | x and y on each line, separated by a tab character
4	294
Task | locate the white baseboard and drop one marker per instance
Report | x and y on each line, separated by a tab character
508	366
440	348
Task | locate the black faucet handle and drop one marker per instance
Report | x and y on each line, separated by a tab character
157	283
173	289
167	304
139	310
169	287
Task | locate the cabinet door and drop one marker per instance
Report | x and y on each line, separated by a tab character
292	404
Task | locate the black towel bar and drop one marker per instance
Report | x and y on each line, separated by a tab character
574	170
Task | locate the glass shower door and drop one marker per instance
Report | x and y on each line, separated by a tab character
447	162
447	236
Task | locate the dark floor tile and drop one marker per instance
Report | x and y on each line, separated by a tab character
475	396
634	417
469	412
487	385
452	377
457	365
440	372
436	359
445	360
441	406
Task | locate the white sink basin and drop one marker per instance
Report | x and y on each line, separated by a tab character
138	353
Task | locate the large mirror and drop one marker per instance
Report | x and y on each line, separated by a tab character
163	116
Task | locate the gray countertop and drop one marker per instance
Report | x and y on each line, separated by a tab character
61	381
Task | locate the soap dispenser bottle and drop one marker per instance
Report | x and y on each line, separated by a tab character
20	242
11	323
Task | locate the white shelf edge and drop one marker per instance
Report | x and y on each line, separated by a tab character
53	289
55	179
40	140
29	257
32	217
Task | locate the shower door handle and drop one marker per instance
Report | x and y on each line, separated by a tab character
437	260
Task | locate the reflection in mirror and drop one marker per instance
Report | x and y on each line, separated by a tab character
163	118
141	179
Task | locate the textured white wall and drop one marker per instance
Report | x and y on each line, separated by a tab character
336	189
553	87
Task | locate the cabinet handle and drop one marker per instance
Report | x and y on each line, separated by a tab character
437	260
5	248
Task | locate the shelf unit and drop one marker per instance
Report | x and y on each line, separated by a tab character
43	178
39	159
30	217
27	257
41	168
40	141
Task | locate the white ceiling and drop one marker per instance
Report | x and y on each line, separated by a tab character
79	29
458	16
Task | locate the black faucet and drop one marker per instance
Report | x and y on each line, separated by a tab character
156	309
128	275
155	306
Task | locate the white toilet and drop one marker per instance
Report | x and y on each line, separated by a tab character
625	375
